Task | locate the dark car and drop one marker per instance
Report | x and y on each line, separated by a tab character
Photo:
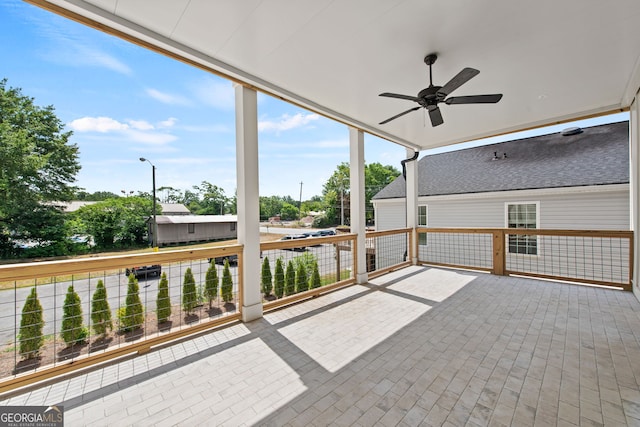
233	259
295	237
145	271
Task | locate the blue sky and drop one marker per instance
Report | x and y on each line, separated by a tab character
123	102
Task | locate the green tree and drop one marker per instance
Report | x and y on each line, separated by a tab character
290	279
315	277
189	297
100	310
337	189
95	197
163	303
73	330
306	260
113	222
226	288
289	212
278	279
212	200
31	323
265	277
302	280
132	317
37	167
211	283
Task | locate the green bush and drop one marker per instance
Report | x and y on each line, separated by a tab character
211	283
226	288
290	279
302	280
189	297
131	316
163	303
100	310
278	279
265	277
31	324
315	277
73	330
307	260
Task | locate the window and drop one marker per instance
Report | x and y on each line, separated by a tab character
422	222
523	215
233	226
192	228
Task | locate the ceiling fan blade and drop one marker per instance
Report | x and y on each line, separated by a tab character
461	78
397	95
474	99
398	115
436	116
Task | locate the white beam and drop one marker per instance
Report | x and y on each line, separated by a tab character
248	199
357	197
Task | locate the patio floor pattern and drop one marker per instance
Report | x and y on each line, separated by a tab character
419	346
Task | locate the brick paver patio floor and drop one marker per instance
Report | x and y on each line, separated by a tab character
420	346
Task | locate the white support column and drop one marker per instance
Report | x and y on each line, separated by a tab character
412	204
634	188
248	199
357	197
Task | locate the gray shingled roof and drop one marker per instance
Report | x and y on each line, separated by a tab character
597	156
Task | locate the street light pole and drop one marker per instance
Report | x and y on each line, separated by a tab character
154	237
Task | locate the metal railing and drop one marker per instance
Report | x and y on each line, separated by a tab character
601	257
388	250
330	259
95	309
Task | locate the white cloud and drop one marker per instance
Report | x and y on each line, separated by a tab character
140	125
287	122
139	131
215	93
170	122
167	98
97	124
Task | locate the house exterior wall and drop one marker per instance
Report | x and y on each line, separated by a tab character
582	208
169	234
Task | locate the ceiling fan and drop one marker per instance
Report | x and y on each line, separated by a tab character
430	97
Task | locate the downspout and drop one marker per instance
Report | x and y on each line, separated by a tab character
404	175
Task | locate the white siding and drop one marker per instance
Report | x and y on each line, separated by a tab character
601	208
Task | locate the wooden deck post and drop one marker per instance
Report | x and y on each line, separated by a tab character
498	253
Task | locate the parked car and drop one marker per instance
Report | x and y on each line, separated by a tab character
295	237
145	271
233	259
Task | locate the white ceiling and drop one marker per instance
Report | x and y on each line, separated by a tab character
553	60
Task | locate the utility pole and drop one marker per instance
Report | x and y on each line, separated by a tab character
300	205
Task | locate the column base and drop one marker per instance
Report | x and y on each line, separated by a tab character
251	312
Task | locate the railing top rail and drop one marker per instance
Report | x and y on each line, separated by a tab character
32	270
531	231
308	241
387	232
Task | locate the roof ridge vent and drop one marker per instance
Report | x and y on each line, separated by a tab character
572	131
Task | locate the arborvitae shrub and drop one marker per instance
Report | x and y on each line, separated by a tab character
100	311
265	277
290	279
132	317
163	303
226	288
73	330
278	279
31	323
302	280
189	297
211	282
315	277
